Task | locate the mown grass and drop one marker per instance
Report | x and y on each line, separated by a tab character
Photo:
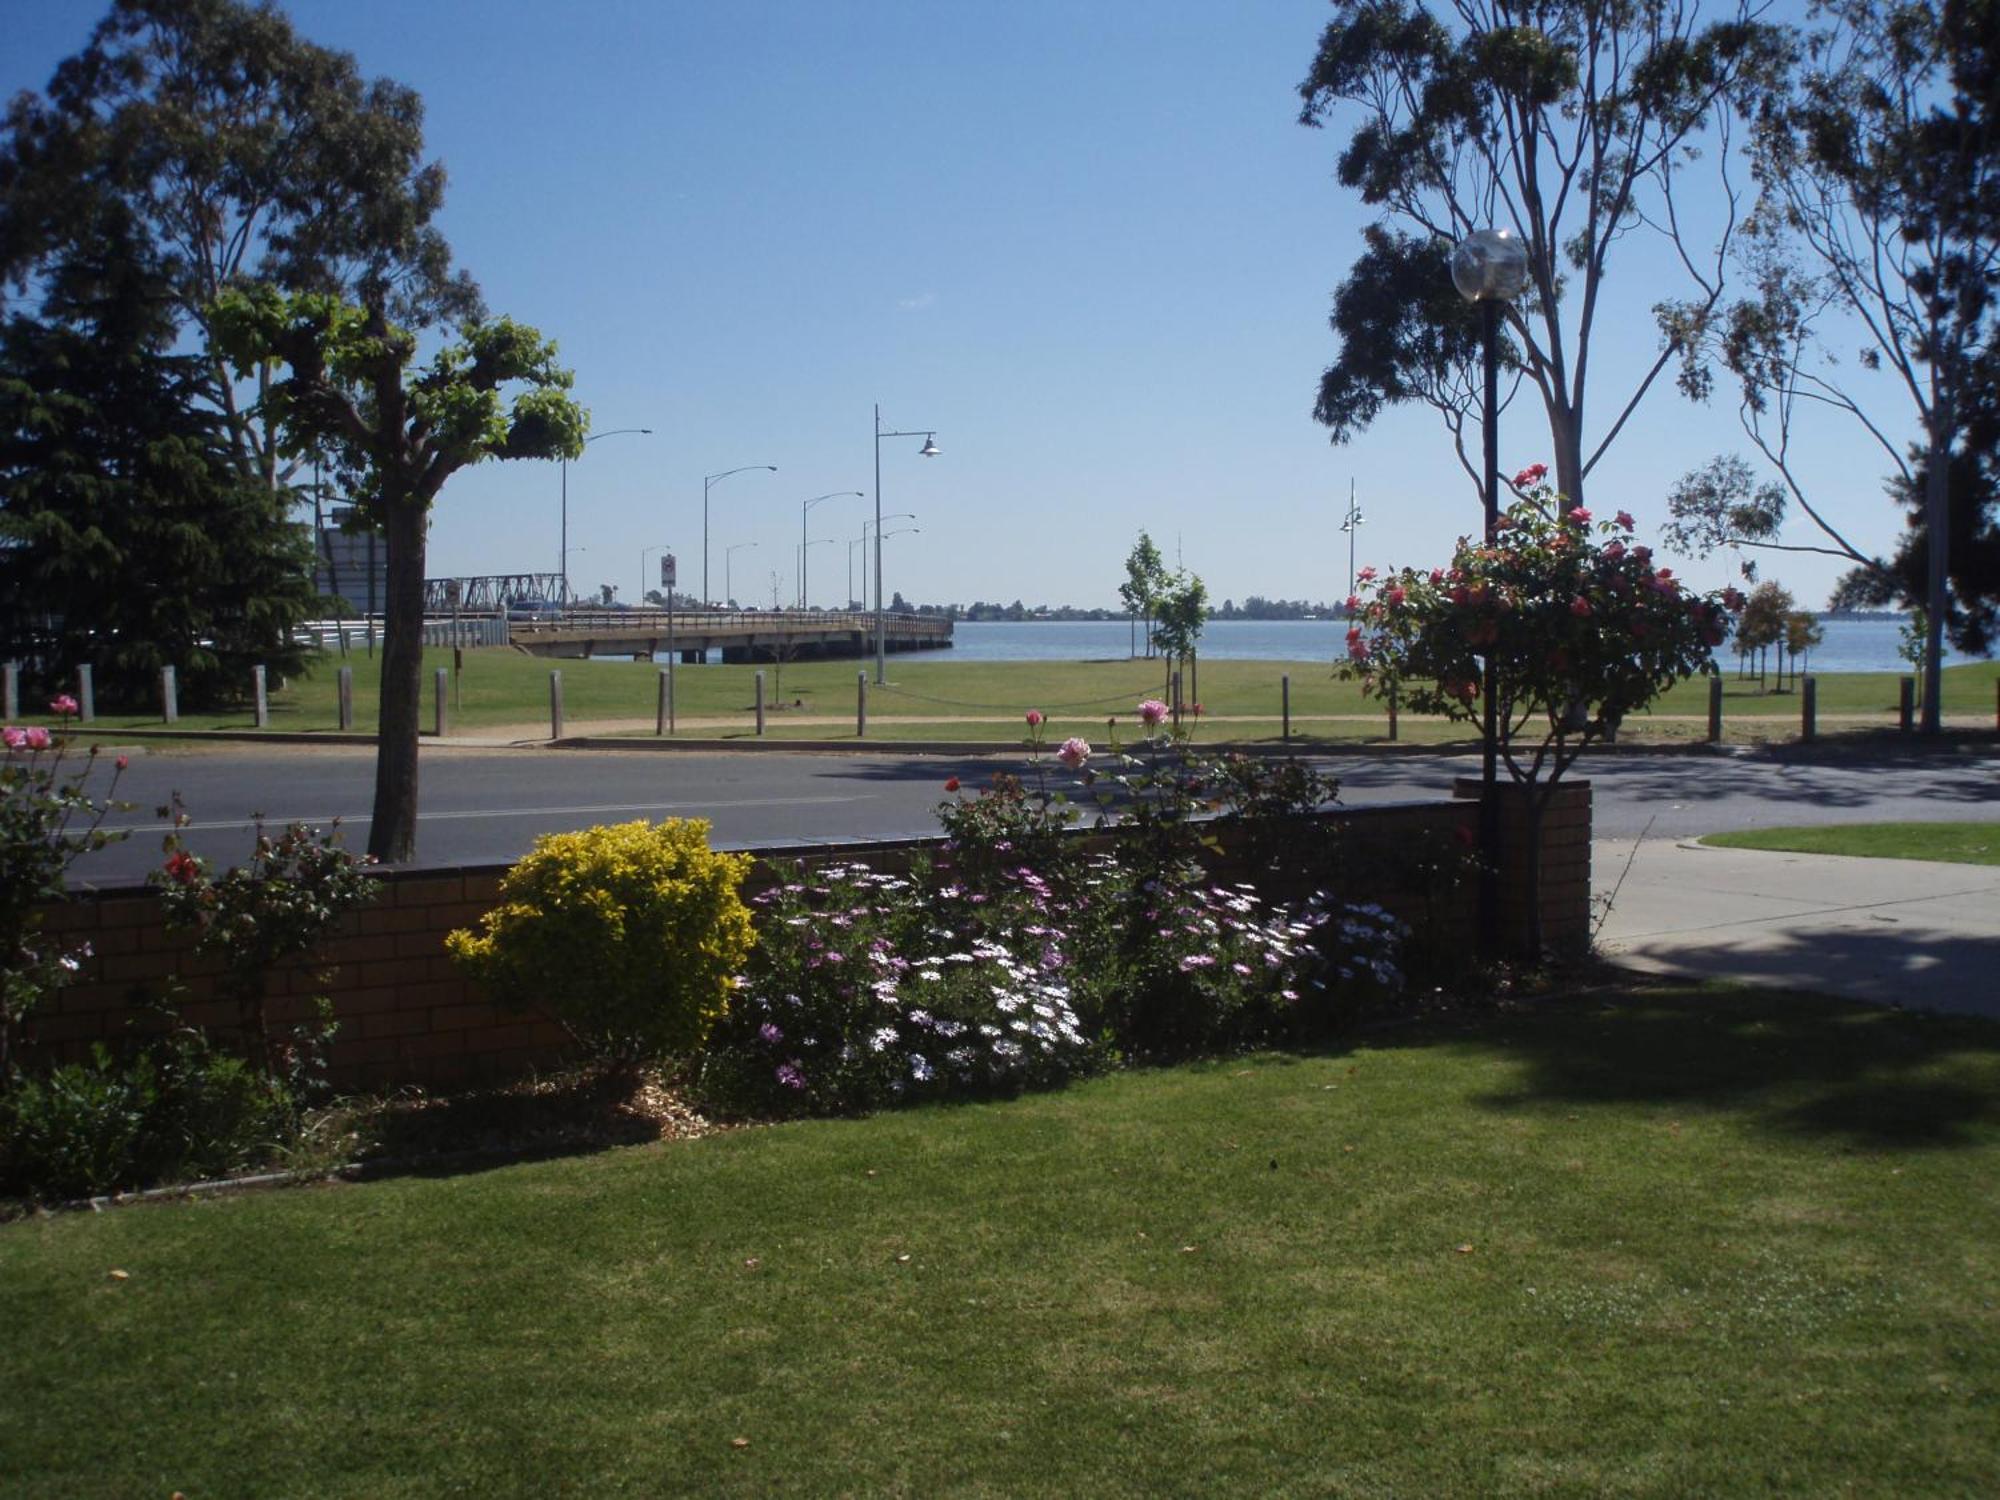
1950	843
1657	1242
502	688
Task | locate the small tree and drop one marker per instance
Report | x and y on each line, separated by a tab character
1145	578
1582	629
400	434
1802	633
1181	610
1762	625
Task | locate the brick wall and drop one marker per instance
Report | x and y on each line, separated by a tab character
408	1017
1565	894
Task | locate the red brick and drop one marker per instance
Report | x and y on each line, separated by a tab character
419	944
364	1002
395	1023
463	1017
427	891
393	971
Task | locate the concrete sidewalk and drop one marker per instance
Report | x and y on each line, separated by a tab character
1895	931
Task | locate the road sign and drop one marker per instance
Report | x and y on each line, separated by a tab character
667	578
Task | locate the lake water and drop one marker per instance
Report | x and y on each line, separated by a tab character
1850	645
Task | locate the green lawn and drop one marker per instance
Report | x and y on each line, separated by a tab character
932	696
1951	843
1669	1242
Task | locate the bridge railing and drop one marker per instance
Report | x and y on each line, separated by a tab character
709	621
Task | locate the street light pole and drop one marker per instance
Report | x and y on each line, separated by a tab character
1353	523
1490	266
862	542
803	543
708	482
562	559
929	450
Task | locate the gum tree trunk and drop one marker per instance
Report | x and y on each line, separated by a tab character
392	836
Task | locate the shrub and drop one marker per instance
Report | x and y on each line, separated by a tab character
868	989
48	820
174	1110
277	909
627	936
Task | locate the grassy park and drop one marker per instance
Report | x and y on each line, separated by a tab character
505	692
1642	1241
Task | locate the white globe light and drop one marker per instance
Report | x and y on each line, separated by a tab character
1490	265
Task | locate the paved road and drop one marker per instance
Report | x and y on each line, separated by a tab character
485	806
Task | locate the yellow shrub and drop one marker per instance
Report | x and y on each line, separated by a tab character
626	935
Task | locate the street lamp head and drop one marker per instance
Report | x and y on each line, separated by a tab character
930	447
1490	265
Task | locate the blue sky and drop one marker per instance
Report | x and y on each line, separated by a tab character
1089	245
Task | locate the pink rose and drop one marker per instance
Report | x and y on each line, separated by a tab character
1395	596
1152	712
1578	517
122	762
1580	607
1613	552
1035	718
1367	574
1074	752
1532	475
1624	519
63	705
1353	603
36	737
13	737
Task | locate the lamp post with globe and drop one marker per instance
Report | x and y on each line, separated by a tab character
1490	267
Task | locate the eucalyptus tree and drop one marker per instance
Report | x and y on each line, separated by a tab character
1573	123
1879	210
238	151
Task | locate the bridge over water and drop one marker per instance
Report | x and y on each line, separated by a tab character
738	635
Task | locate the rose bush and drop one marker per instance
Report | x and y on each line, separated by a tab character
1583	628
1580	624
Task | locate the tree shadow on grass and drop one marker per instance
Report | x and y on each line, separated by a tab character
1791	1064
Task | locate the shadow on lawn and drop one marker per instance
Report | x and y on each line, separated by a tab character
1797	1065
569	1114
